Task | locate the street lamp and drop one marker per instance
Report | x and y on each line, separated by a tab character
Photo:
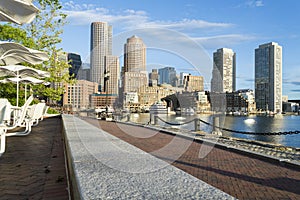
106	79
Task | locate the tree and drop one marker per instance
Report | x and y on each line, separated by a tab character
44	34
46	30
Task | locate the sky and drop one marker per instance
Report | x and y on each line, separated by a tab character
184	34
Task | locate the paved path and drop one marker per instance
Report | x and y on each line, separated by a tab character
33	166
238	175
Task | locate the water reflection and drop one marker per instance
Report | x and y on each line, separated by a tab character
257	124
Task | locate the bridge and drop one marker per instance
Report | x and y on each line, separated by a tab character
180	100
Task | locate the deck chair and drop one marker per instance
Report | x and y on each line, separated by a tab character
4	113
20	114
44	112
33	115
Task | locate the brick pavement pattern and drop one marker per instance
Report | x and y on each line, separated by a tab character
33	166
239	175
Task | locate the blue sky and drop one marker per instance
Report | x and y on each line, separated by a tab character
184	34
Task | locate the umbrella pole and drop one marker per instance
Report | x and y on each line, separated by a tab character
25	92
18	89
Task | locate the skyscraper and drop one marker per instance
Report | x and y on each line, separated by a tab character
112	68
101	46
134	55
224	71
168	75
153	77
134	74
75	61
268	77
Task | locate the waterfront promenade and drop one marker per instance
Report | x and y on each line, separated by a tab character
33	167
242	176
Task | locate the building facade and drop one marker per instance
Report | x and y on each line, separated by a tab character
77	96
241	101
181	78
224	71
134	74
153	77
84	72
112	72
101	46
132	81
134	55
268	77
75	61
193	83
167	75
101	100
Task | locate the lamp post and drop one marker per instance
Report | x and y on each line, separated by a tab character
106	79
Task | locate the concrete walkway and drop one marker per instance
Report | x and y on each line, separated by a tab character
33	166
242	176
106	167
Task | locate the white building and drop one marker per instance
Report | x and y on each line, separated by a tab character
101	46
224	71
131	97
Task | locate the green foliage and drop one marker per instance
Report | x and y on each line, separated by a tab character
42	34
18	35
52	111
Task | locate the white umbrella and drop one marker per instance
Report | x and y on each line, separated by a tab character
24	80
17	11
13	53
20	71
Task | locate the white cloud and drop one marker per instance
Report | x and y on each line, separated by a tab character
255	3
218	41
84	14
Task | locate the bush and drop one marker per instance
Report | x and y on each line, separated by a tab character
52	111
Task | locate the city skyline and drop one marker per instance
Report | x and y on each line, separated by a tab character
204	26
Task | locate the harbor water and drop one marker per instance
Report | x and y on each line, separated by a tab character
252	123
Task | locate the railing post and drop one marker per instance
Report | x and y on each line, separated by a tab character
197	124
155	119
128	117
216	122
151	118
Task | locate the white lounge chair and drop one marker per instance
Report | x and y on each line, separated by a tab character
19	117
35	113
32	117
45	112
4	113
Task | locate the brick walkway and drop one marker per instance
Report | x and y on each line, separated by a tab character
33	166
238	175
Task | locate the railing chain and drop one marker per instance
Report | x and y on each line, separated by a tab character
230	130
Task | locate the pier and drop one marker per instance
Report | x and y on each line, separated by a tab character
125	161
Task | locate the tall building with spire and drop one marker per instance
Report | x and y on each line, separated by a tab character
101	46
224	71
268	77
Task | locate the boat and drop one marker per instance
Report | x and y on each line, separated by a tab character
158	108
187	111
105	113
